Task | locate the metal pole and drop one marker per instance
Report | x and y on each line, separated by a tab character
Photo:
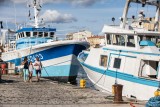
124	16
156	27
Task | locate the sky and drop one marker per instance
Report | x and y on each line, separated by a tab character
69	15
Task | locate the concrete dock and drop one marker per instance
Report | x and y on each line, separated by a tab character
46	93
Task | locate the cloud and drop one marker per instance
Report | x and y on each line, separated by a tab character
72	2
2	2
57	17
84	2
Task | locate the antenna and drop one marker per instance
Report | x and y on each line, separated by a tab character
35	4
15	15
113	19
156	25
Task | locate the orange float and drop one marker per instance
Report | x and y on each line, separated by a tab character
3	68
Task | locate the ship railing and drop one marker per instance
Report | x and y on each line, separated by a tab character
64	39
8	47
146	23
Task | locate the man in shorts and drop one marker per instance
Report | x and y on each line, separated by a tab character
38	67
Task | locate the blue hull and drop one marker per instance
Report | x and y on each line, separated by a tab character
59	70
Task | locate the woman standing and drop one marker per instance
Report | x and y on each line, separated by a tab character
25	69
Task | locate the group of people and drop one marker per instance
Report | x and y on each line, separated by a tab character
29	68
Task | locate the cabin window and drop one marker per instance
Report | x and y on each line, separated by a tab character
28	34
22	34
119	40
130	41
103	60
148	68
34	33
109	39
150	38
45	34
18	36
155	40
122	40
117	63
40	34
52	34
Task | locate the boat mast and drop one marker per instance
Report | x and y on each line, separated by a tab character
156	27
37	9
124	16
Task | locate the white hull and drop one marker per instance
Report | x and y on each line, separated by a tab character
141	92
135	84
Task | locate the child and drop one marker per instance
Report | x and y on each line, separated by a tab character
30	71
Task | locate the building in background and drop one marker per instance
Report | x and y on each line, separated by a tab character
7	40
96	41
7	36
81	35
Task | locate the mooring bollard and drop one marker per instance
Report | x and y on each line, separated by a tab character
82	83
157	93
117	91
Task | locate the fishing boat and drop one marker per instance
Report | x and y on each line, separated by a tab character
129	57
58	57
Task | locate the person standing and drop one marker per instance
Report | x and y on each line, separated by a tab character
25	69
31	69
38	67
141	15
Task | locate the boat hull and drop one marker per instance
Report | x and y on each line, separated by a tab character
59	61
104	79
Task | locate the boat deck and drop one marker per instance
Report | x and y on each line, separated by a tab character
14	92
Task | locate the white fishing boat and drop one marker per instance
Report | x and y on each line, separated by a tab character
129	57
58	57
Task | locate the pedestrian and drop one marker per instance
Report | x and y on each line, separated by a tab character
38	67
31	69
25	69
141	15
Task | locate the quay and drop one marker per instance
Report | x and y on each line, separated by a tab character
46	93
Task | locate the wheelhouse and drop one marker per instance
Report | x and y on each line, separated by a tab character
134	40
121	40
35	32
32	36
